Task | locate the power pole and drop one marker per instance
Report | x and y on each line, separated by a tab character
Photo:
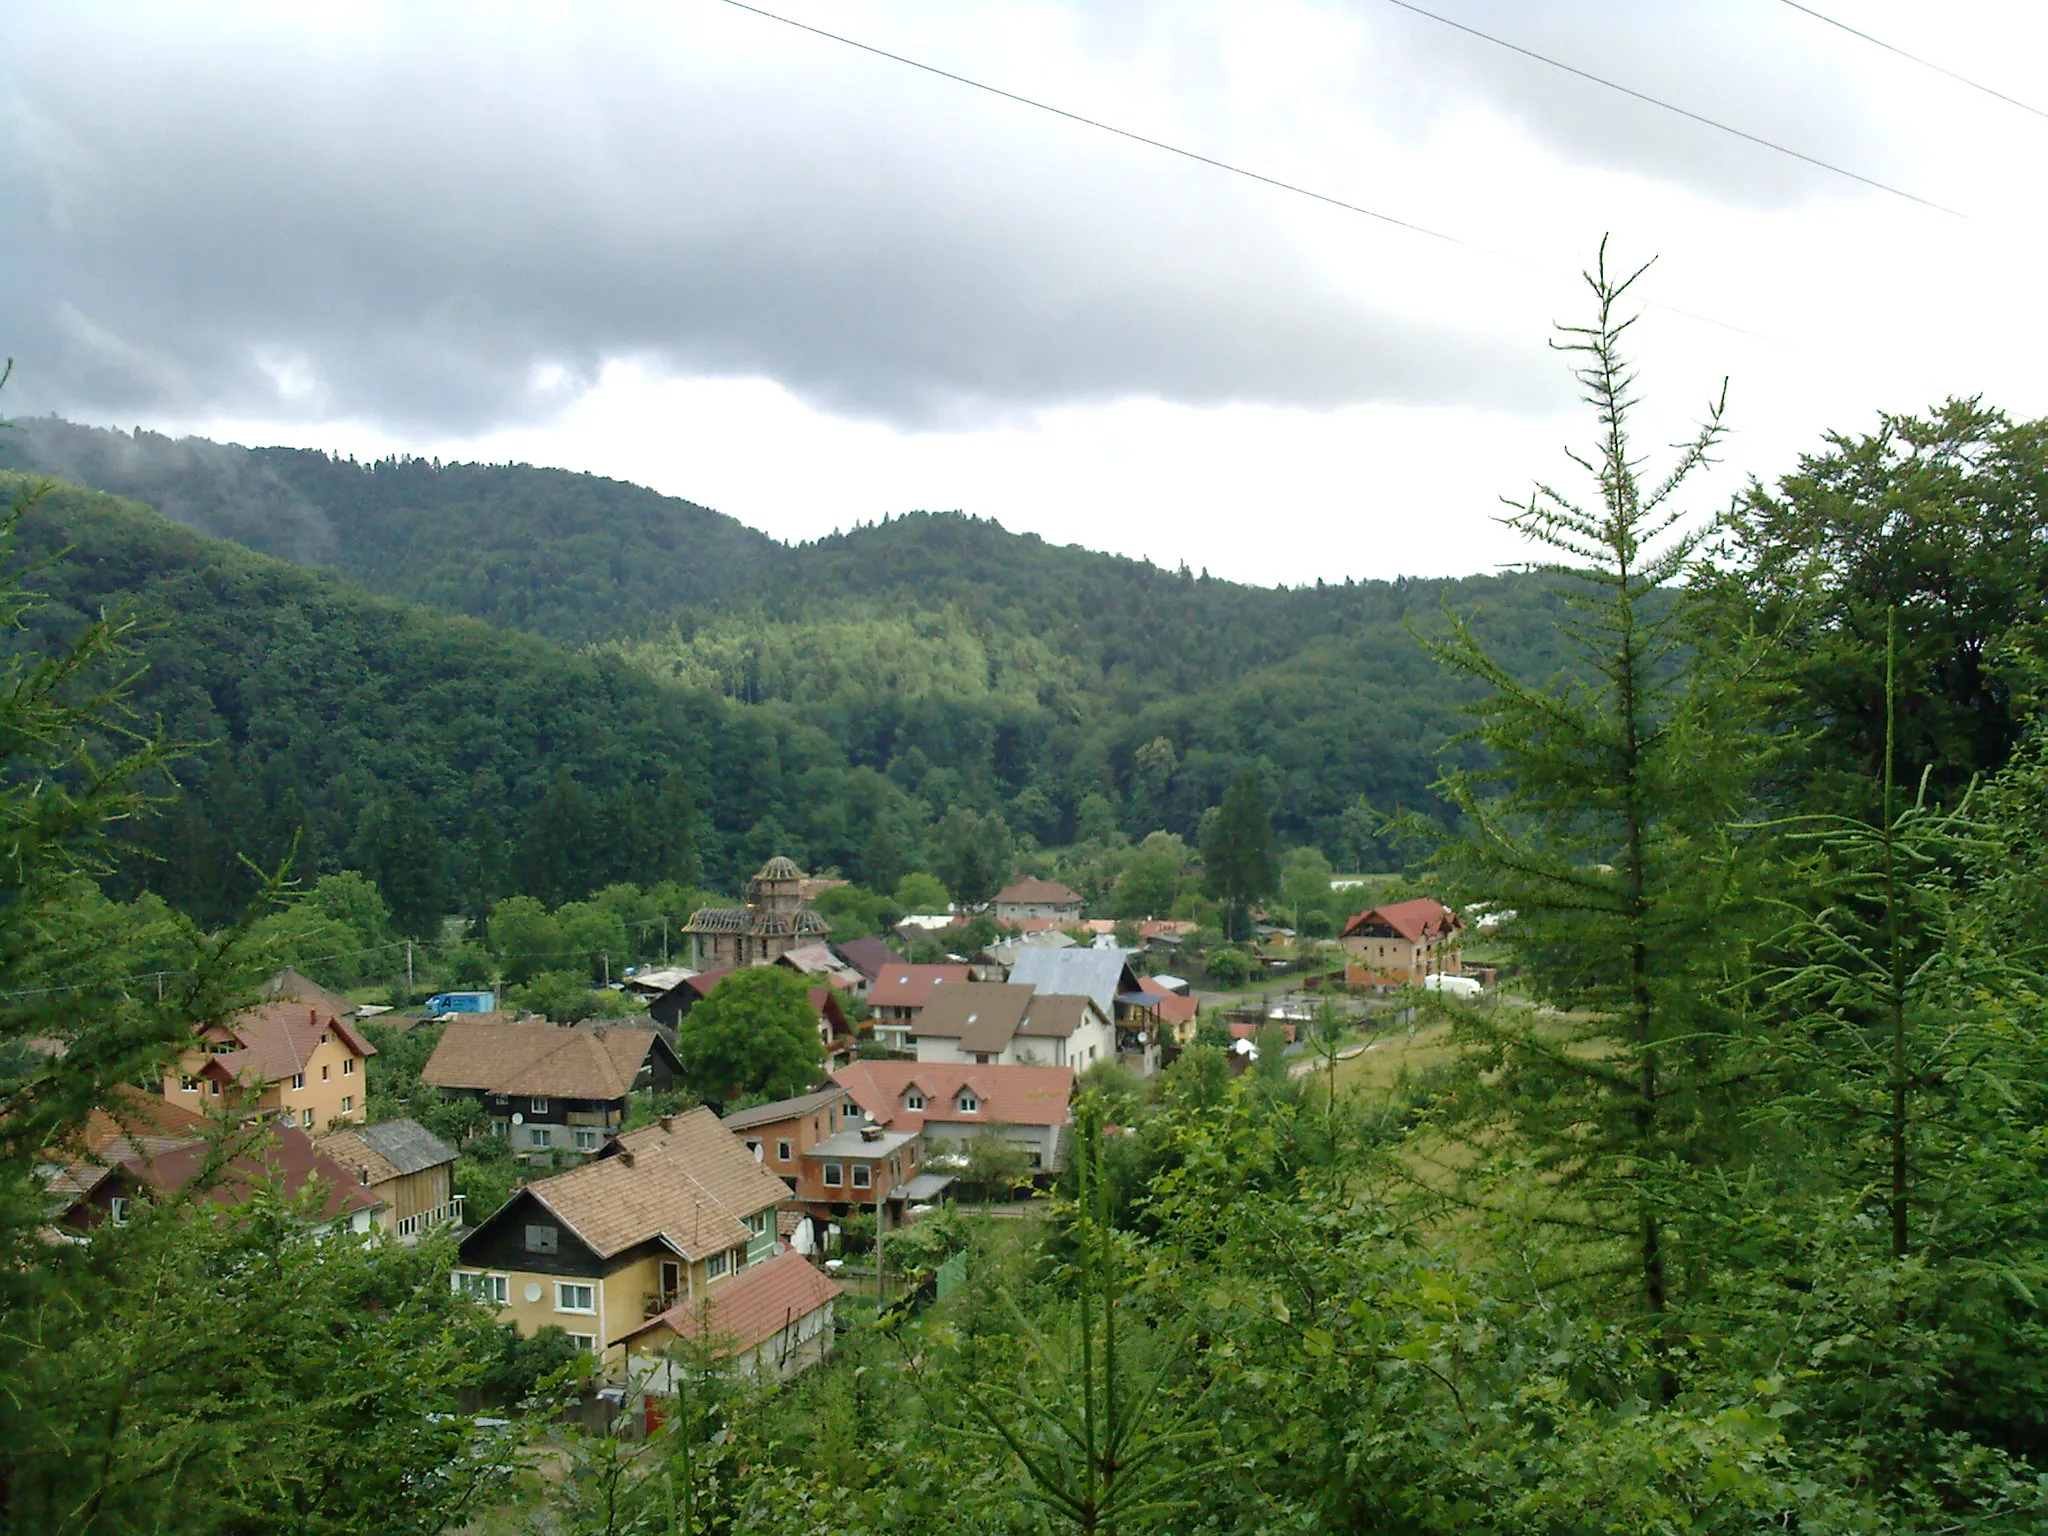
880	1294
607	954
408	965
664	939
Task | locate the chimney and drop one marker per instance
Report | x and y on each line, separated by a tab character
871	1132
626	1157
668	1122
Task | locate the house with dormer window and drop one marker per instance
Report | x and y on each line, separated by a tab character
954	1103
298	1063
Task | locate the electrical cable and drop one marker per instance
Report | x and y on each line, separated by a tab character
1271	181
1771	144
1914	58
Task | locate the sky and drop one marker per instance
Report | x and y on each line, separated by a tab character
694	247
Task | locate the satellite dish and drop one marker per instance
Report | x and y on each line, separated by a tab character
518	1119
533	1290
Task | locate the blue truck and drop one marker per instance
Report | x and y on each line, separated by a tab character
460	1002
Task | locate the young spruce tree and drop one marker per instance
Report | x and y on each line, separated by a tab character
1603	820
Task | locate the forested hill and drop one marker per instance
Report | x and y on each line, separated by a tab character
960	664
571	557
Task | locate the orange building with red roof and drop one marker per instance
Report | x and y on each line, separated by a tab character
301	1061
1399	944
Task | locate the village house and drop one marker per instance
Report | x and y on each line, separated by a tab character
1024	1106
1105	978
407	1167
549	1088
770	1321
124	1173
1031	897
1398	945
899	995
835	1159
836	1031
670	1213
867	956
775	920
820	962
1176	1008
1008	1024
285	1059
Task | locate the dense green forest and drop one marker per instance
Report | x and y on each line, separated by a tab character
968	666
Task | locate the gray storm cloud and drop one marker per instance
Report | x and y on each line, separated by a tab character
444	224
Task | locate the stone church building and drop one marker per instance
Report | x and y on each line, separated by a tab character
775	920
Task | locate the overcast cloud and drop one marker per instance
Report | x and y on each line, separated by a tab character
683	244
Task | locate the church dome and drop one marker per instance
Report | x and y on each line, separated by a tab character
779	868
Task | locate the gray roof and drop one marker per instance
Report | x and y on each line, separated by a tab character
925	1185
782	1109
854	1144
406	1145
1092	973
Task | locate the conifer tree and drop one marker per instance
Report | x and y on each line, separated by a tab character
1603	821
1239	864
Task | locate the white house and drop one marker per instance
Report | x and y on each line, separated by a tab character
1009	1024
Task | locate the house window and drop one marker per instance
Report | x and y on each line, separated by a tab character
587	1342
862	1175
968	1103
306	1121
913	1100
586	1140
500	1128
981	1058
782	1151
671	1278
716	1266
541	1238
214	1087
188	1085
298	1081
754	1150
542	1137
117	1210
490	1288
574	1298
348	1068
537	1106
348	1103
833	1175
758	1223
323	1074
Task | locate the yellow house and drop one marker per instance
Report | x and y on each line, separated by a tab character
663	1215
306	1065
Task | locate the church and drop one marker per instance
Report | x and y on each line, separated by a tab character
775	920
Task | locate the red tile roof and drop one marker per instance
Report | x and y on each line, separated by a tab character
1423	918
277	1038
1009	1095
749	1309
910	986
284	1155
1031	891
867	956
132	1113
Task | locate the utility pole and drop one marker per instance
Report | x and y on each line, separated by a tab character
664	939
880	1293
408	965
607	954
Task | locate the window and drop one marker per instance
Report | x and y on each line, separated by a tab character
188	1084
913	1100
833	1176
541	1238
862	1176
754	1150
348	1068
587	1342
490	1288
323	1074
716	1266
214	1087
671	1278
541	1136
574	1298
298	1081
500	1128
981	1058
758	1223
117	1210
586	1140
782	1151
538	1106
348	1103
306	1121
968	1103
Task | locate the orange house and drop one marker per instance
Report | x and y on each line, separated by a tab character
1398	945
303	1063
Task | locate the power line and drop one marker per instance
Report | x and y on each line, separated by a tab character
1630	91
1238	170
1914	58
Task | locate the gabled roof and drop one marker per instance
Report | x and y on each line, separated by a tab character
736	1315
1008	1095
283	1155
1097	974
783	1109
899	985
133	1114
867	956
1032	891
685	1179
289	984
1054	1016
981	1015
1417	920
388	1149
821	962
278	1038
541	1060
